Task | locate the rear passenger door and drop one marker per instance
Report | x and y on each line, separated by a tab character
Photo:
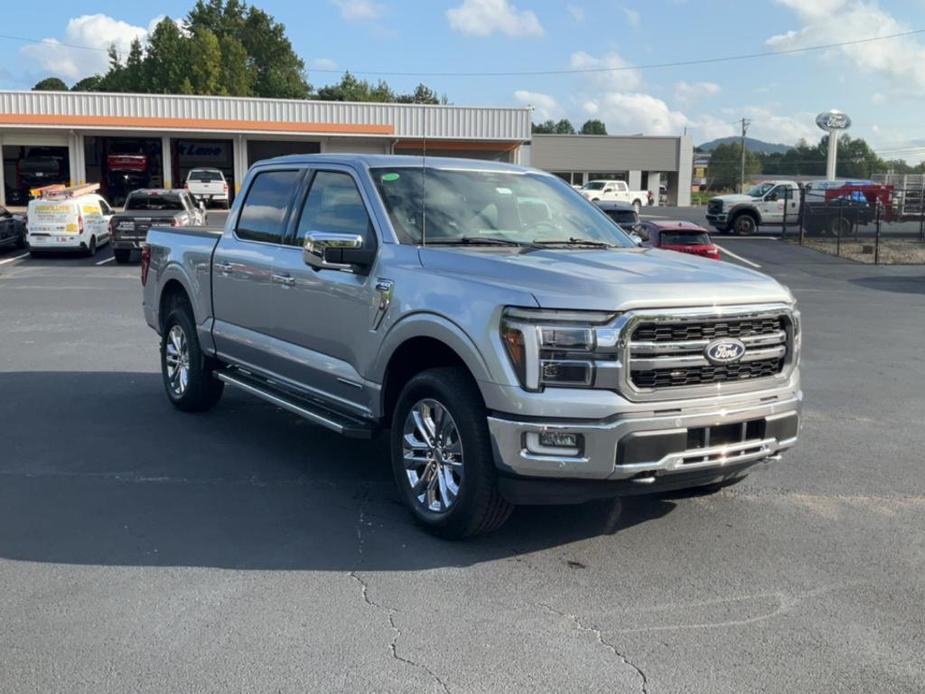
242	269
324	315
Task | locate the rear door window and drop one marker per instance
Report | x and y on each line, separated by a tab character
263	216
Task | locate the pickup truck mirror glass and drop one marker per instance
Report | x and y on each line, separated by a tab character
325	250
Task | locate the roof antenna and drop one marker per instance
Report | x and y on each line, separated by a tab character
424	183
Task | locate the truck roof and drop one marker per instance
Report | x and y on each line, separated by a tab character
398	160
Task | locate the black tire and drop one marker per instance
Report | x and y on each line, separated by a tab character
479	507
839	226
202	390
745	224
21	242
91	249
122	255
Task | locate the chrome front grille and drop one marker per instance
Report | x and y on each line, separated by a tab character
666	353
715	206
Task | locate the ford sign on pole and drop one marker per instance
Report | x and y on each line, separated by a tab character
833	122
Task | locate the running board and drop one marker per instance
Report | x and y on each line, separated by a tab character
315	412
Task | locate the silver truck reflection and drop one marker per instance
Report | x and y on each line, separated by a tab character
516	344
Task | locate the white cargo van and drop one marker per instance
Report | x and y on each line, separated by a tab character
72	218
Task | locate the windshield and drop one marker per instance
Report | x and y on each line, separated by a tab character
685	238
759	190
154	202
472	206
205	176
595	185
623	217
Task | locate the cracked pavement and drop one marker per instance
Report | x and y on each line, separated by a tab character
146	550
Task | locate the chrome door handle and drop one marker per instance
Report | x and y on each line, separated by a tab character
223	267
285	280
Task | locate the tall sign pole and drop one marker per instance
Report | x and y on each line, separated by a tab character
834	123
745	124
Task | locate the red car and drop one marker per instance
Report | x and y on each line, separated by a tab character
684	237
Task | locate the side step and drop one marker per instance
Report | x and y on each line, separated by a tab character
312	410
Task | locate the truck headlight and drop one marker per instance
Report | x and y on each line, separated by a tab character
552	348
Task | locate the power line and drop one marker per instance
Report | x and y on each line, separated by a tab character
566	71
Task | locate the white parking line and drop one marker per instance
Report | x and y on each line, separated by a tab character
738	257
14	259
107	260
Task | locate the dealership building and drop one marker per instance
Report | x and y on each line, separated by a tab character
154	140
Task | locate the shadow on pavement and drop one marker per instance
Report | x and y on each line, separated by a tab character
97	468
900	285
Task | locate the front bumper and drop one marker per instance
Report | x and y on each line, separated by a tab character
718	219
647	449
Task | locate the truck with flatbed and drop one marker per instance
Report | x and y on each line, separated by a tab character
517	347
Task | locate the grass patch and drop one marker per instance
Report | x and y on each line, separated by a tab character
892	251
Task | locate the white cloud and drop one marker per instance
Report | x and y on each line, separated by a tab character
710	128
322	64
691	91
545	107
773	127
834	21
632	17
631	113
94	31
359	10
486	17
613	72
578	13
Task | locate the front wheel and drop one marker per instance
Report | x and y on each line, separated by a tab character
186	372
91	249
745	225
442	455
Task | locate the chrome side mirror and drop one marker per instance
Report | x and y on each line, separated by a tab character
325	250
636	238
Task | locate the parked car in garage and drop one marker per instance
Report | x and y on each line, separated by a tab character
12	229
684	237
149	207
208	186
517	345
62	218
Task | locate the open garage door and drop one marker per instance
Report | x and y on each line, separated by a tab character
188	154
27	166
123	164
267	149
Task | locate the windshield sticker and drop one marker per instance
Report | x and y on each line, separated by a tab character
504	191
390	177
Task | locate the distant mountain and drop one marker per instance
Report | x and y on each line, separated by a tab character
751	144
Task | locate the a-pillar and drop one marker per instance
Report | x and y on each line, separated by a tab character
166	162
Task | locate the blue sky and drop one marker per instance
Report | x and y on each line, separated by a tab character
880	84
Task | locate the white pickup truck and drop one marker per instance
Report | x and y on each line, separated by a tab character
208	186
615	191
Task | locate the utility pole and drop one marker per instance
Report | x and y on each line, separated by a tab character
745	123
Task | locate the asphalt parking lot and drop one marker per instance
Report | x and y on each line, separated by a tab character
146	550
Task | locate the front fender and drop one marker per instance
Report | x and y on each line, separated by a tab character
739	209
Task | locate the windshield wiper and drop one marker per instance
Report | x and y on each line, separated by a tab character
481	241
573	241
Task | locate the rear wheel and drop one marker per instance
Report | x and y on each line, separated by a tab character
91	249
839	226
187	373
122	255
442	456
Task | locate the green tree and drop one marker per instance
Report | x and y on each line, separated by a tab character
565	127
280	72
726	163
167	63
50	84
422	94
206	64
350	88
594	127
545	128
88	84
238	75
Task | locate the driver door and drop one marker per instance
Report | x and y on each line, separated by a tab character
772	208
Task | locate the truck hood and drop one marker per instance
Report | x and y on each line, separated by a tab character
733	199
608	280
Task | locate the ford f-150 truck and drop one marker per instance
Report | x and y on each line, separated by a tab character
516	344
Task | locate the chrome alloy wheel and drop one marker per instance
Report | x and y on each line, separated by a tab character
433	456
176	355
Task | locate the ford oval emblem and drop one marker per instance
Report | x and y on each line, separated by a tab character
725	350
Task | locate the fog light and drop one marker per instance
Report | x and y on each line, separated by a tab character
555	443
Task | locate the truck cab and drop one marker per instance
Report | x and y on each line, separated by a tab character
765	204
615	191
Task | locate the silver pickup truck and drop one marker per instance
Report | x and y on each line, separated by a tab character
517	345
